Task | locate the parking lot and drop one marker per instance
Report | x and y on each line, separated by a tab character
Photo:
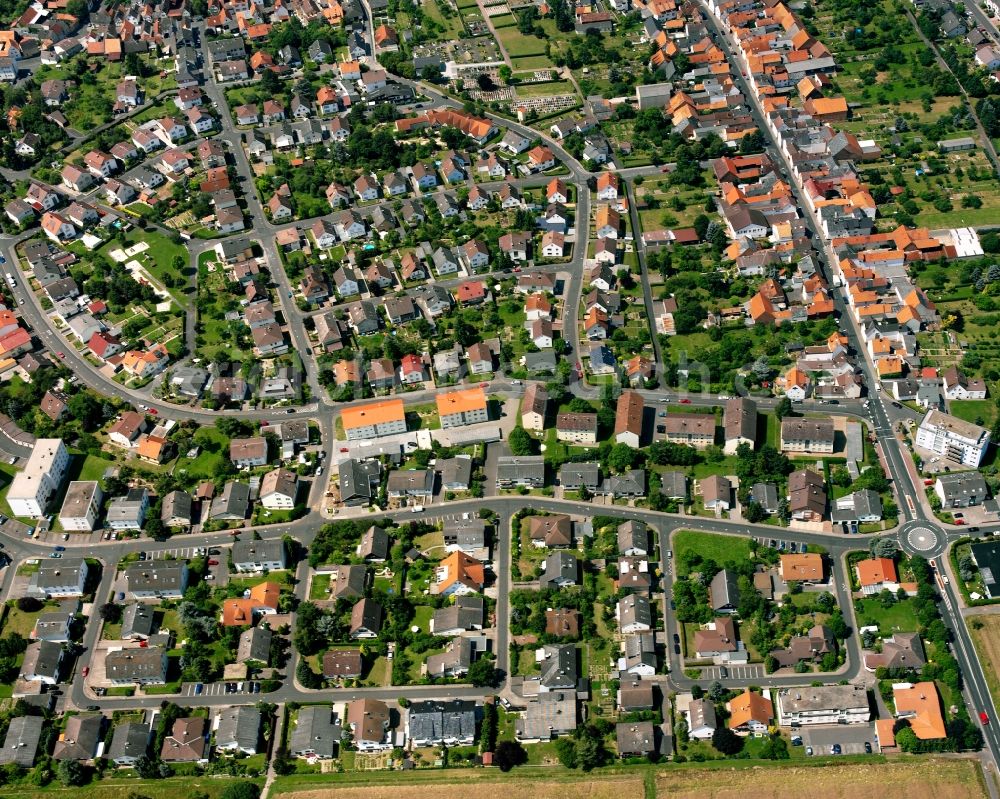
219	688
749	672
851	737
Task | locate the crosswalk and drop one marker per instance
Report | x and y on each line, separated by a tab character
749	672
179	553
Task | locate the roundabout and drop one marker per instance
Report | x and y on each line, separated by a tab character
922	539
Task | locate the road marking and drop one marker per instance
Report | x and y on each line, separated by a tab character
922	539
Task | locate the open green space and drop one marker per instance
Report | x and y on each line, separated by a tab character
719	548
898	617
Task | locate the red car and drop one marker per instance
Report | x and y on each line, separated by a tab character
213	563
959	522
86	671
61	354
484	385
685	402
344	449
983	717
153	411
265	423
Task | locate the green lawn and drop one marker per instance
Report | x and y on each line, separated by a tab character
158	259
123	787
214	449
897	618
93	468
422	617
981	412
319	585
720	548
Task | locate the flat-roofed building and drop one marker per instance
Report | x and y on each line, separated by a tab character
32	488
953	438
82	505
823	704
374	420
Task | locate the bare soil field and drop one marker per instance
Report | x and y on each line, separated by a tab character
513	788
914	779
985	631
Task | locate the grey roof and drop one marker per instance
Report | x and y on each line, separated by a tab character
559	668
560	565
410	481
634	609
356	479
137	620
232	503
465	533
176	504
765	495
632	482
266	551
158	576
702	714
551	714
238	725
441	721
374	544
315	731
56	573
455	471
723	591
674	485
575	475
21	743
538	362
635	738
80	738
465	614
129	740
350	583
640	649
135	664
514	468
962	485
633	534
42	658
255	644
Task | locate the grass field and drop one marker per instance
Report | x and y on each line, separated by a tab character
733	779
720	548
211	787
981	412
898	618
532	61
985	631
517	44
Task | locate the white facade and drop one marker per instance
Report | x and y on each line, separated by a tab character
41	479
957	440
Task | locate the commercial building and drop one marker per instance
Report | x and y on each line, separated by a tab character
42	477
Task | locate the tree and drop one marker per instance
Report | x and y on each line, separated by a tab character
783	408
754	512
29	604
519	441
111	612
484	672
566	752
505	73
71	772
621	458
509	754
146	767
244	789
727	741
883	547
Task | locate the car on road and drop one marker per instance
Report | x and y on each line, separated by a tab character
985	719
290	410
93	707
896	405
662	414
685	401
973	529
213	563
836	749
121	595
868	747
958	514
809	751
56	555
61	354
60	549
677	638
677	649
319	471
85	671
143	556
153	411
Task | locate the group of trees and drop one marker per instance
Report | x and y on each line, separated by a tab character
585	748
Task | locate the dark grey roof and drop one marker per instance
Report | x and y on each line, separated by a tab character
633	534
238	725
137	620
129	740
723	591
962	485
176	504
574	475
232	503
255	644
674	485
315	731
634	609
559	667
21	743
561	566
465	614
356	478
442	721
80	738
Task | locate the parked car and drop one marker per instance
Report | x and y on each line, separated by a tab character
85	671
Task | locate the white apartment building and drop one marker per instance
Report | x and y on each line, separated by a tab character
33	488
462	407
954	439
81	506
823	704
372	421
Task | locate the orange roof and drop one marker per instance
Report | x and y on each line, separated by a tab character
802	567
891	365
796	377
606	179
824	106
884	733
239	612
921	704
760	307
375	413
460	568
876	571
462	401
151	447
750	706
